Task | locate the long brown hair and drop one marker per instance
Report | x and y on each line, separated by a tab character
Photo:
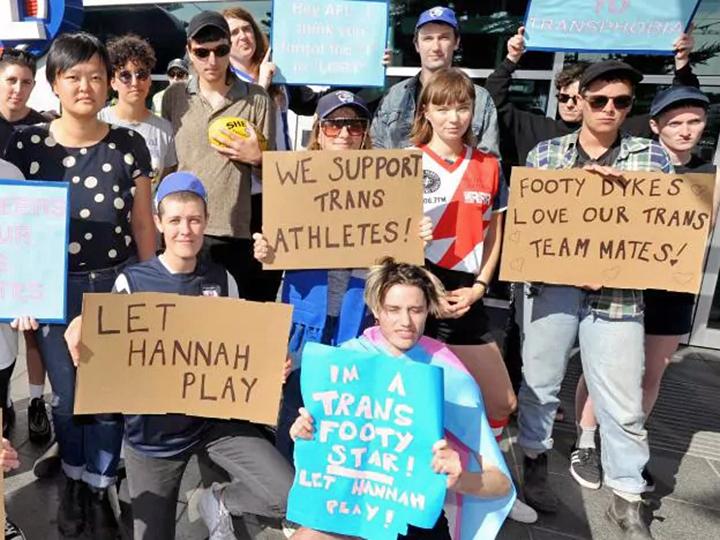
261	42
445	86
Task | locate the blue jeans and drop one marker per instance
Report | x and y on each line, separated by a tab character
613	361
89	445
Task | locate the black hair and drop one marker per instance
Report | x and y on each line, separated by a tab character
18	57
130	48
69	50
209	34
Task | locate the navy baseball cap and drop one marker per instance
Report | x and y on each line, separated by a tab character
341	98
180	181
674	95
608	69
177	63
438	14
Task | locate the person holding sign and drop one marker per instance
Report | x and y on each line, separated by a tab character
158	447
437	37
328	303
110	225
678	117
608	322
402	297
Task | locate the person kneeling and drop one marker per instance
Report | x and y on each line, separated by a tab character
401	297
158	447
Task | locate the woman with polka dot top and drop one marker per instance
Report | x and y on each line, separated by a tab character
108	170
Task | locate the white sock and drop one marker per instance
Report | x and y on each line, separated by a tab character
36	390
586	436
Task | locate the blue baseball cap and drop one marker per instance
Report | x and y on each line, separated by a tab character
438	14
341	98
180	181
674	95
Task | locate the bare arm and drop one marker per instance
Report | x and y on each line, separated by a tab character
491	248
142	225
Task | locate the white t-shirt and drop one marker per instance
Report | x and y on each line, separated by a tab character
8	336
158	135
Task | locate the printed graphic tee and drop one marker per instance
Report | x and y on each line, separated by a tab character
460	199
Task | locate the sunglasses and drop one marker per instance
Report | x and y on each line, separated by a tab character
176	74
204	52
126	76
619	102
564	98
355	126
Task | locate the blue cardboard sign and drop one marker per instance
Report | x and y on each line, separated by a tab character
616	26
329	42
367	470
34	224
35	24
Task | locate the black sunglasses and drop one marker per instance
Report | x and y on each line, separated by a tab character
126	76
204	52
564	98
619	102
177	74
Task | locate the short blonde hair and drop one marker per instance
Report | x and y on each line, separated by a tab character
388	273
445	86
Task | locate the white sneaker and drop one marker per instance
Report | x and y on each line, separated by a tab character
522	513
289	528
213	512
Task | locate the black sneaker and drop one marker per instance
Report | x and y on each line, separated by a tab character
537	492
39	422
48	464
649	480
585	467
629	517
103	523
12	531
71	513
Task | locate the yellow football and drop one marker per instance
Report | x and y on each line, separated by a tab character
239	126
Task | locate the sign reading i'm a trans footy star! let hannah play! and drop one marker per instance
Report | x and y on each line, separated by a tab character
329	42
367	470
33	249
620	26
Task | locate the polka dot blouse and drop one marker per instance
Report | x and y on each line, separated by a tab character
102	186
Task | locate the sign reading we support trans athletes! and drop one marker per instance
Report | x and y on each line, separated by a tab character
329	42
342	209
620	26
152	353
574	227
33	249
367	471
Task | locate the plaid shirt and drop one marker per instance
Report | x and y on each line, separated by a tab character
636	154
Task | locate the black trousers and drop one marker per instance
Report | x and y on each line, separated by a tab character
260	478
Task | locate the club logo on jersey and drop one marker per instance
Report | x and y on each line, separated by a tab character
476	197
211	290
431	181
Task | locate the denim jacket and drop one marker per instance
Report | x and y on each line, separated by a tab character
396	113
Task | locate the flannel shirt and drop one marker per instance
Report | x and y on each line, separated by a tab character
636	154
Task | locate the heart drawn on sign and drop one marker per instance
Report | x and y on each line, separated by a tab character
611	273
673	262
515	236
517	264
682	278
697	189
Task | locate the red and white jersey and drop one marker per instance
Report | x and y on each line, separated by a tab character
460	199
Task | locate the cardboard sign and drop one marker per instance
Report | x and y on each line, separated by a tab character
329	42
33	249
152	353
573	227
342	209
616	26
367	470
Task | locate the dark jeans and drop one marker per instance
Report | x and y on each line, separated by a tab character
264	284
5	376
260	478
89	444
512	348
234	254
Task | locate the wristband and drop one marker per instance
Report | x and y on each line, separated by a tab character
479	281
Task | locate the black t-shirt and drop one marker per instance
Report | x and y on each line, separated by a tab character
695	165
102	188
607	159
6	131
7	127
